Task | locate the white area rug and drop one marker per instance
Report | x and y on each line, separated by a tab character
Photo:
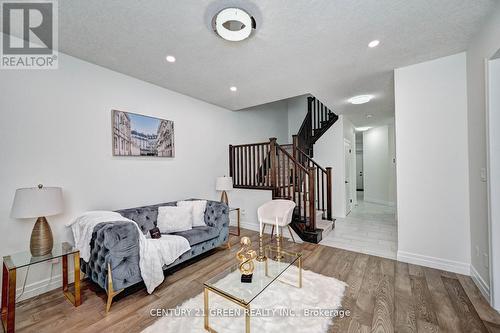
272	308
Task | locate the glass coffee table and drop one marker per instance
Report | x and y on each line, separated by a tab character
230	287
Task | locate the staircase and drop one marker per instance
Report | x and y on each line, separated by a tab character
290	172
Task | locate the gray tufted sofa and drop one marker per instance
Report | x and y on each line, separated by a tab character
116	245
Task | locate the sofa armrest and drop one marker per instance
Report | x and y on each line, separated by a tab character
117	244
217	215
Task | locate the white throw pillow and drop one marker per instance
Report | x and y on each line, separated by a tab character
174	219
198	207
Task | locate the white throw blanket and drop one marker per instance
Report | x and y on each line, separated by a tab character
153	253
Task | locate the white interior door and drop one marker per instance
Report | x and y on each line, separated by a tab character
347	176
359	171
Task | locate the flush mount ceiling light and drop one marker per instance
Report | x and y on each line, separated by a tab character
374	43
361	99
362	129
233	89
170	58
369	116
233	24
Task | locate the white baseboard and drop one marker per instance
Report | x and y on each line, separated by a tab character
255	227
433	262
249	225
380	202
480	283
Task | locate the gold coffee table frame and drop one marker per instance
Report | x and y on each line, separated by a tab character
246	304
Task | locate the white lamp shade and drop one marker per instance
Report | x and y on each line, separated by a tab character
36	202
224	184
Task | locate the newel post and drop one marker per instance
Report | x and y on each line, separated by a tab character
272	150
329	193
295	143
312	198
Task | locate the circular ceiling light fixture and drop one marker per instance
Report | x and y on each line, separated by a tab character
374	43
361	99
233	89
233	24
170	58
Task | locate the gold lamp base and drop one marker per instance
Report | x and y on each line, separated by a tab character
41	241
223	198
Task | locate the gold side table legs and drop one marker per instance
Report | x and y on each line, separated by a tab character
8	299
75	298
206	309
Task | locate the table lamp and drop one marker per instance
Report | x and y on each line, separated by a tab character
224	184
38	202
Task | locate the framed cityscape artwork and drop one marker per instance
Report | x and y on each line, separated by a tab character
138	135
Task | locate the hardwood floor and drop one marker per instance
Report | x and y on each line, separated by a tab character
383	296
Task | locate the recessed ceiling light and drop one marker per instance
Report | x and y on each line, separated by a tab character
233	89
369	116
362	129
170	58
374	43
361	99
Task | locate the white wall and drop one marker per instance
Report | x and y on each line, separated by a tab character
329	151
297	110
483	47
432	157
494	176
56	130
379	171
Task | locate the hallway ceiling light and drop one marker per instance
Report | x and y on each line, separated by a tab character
233	24
361	99
170	58
362	129
369	116
233	89
374	43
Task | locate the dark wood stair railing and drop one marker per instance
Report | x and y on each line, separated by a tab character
269	166
295	182
290	175
323	180
247	166
318	120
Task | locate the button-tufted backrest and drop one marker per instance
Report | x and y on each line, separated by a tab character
145	216
216	214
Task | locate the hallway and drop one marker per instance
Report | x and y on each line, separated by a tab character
369	228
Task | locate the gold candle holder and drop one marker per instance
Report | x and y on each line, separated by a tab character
261	257
278	255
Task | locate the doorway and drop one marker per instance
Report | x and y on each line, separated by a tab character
369	225
359	163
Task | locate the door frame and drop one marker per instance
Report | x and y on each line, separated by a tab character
348	174
493	225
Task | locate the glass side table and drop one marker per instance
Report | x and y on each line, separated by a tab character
237	209
23	259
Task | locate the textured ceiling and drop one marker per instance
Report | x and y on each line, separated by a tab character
317	47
